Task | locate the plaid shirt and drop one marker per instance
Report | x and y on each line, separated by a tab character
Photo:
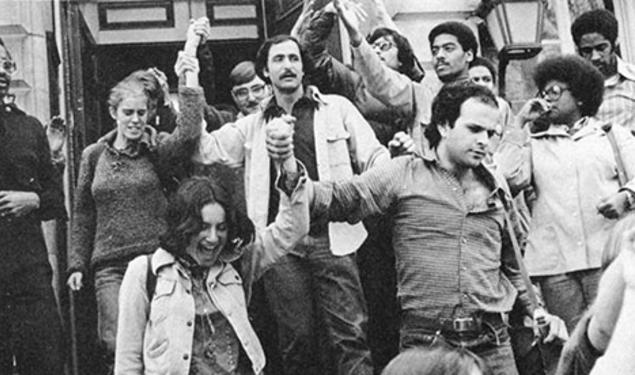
452	260
618	106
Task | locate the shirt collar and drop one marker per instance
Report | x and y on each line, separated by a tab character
311	95
496	185
147	142
162	258
625	69
582	128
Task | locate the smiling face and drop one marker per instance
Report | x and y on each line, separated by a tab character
284	67
450	60
466	143
387	51
131	116
206	246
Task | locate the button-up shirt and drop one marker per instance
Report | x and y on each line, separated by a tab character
570	175
618	105
452	259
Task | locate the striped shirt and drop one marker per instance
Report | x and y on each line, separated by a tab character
452	260
618	105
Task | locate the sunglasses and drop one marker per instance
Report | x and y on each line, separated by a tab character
552	93
383	45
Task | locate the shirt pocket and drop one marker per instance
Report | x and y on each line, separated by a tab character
160	306
232	284
339	154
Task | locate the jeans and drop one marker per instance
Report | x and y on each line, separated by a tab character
30	326
107	283
569	295
313	291
497	353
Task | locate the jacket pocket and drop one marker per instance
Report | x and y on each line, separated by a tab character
160	305
339	154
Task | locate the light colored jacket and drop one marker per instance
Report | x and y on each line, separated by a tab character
570	174
156	337
344	144
618	103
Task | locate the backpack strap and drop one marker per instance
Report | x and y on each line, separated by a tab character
151	279
621	170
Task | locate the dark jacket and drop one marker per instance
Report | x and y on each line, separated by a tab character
25	165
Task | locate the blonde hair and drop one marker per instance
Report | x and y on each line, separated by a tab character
129	86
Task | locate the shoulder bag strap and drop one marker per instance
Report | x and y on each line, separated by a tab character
621	170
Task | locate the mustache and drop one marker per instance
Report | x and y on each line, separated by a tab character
288	73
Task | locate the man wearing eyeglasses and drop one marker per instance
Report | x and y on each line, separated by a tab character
30	330
248	90
595	35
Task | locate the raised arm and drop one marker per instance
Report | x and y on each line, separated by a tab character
370	193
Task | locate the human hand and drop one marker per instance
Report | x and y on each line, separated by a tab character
279	138
199	30
74	281
351	14
301	23
18	203
531	110
185	63
549	327
401	144
56	134
614	206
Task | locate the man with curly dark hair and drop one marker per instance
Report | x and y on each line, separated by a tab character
571	166
595	35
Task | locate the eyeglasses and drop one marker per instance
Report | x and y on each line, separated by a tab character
601	48
552	93
8	66
383	45
242	93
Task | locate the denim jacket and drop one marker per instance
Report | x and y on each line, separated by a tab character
156	337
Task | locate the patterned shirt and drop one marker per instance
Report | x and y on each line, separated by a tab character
618	106
452	259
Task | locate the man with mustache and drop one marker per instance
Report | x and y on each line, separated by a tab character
317	285
595	36
30	329
248	90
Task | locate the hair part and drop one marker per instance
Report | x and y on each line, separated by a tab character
262	56
438	361
486	63
183	216
599	21
585	81
461	31
446	106
243	72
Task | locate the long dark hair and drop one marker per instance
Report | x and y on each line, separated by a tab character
184	215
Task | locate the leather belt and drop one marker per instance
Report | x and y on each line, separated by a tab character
467	324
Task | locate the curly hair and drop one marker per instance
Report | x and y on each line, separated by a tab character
599	21
263	55
132	85
446	106
406	55
184	220
585	81
461	31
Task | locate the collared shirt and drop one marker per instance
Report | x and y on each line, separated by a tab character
618	105
344	144
452	259
570	173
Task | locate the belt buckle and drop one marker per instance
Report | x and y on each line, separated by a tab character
463	325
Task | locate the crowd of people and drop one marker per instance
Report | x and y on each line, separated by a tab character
382	222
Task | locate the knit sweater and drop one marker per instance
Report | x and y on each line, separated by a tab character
120	203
